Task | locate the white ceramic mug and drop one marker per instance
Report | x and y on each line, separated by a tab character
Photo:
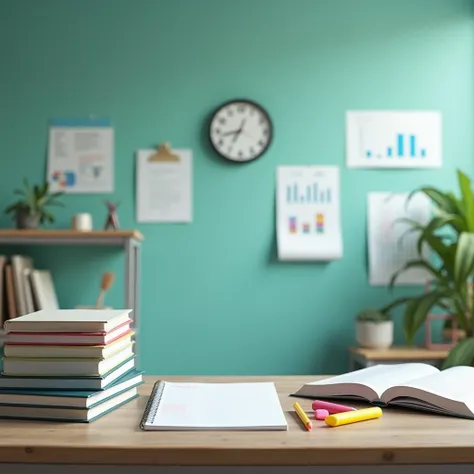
82	222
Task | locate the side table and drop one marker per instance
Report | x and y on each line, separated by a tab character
360	357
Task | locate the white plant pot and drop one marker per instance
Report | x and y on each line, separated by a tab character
375	335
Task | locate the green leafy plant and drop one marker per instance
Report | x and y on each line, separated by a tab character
34	202
372	315
450	236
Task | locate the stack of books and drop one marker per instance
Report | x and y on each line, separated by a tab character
68	365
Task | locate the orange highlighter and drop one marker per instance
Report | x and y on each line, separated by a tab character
349	417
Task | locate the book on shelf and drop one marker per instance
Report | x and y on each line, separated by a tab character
21	266
412	385
3	289
23	288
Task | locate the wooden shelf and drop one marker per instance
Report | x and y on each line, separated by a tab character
399	353
68	236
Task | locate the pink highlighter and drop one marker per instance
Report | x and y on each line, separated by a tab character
332	408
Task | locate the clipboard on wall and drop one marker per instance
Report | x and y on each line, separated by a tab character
164	185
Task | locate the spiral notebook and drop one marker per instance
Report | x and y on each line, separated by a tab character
214	406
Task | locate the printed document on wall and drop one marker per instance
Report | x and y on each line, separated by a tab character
164	189
394	139
390	245
81	157
308	213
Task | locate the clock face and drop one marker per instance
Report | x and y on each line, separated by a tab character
241	131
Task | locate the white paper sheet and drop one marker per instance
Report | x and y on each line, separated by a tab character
393	139
164	190
308	213
388	251
81	159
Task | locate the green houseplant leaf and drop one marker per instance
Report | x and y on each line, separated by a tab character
461	354
442	200
417	309
34	202
467	200
464	259
416	264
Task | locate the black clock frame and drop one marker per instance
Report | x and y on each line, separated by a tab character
262	111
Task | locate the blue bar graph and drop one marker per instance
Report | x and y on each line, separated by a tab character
412	146
400	145
404	146
311	194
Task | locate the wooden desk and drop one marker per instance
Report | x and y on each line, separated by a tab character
360	357
397	438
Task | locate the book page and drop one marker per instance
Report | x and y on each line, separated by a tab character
456	383
381	377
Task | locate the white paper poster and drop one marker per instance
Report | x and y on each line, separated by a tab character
393	139
308	213
164	189
388	251
81	157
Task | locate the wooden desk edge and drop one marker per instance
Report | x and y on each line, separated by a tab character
102	455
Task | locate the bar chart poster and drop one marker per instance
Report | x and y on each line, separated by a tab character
308	213
394	139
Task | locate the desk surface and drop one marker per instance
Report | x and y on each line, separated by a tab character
400	353
397	438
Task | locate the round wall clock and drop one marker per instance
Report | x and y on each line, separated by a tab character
241	130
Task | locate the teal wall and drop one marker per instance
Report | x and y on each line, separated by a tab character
215	298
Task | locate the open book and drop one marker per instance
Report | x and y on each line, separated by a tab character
413	385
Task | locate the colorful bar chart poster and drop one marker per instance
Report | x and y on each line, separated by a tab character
390	246
394	139
308	213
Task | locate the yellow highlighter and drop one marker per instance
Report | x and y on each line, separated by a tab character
348	417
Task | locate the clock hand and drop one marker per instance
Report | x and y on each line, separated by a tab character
239	131
233	132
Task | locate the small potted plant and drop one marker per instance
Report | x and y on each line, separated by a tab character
374	329
30	211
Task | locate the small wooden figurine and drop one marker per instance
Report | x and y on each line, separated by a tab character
112	219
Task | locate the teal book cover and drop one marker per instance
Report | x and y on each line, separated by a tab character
70	393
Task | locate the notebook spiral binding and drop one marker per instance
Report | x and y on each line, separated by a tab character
153	403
